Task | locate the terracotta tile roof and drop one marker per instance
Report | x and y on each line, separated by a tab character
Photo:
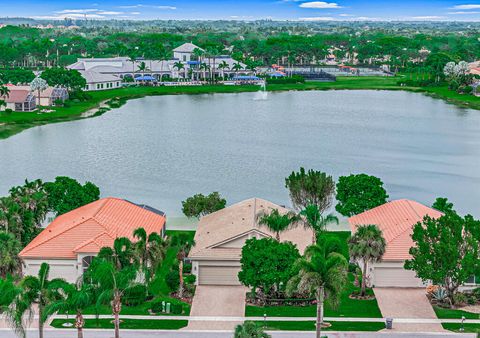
396	220
91	227
237	220
16	96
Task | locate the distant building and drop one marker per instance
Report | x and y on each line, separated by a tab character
72	240
184	52
100	81
48	97
20	100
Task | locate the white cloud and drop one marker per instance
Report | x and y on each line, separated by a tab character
318	18
109	13
345	15
88	10
69	16
427	17
135	13
320	5
463	12
149	6
466	7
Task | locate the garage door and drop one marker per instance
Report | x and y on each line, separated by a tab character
218	275
396	277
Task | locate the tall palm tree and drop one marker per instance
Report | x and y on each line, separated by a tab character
77	298
249	329
121	255
133	59
277	222
142	67
322	274
222	66
204	68
150	251
367	245
10	263
113	282
180	66
37	290
313	219
237	67
184	244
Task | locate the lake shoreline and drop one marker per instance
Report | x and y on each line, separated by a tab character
15	123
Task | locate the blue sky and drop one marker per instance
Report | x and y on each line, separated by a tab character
307	10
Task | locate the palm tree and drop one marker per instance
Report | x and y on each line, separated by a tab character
222	66
8	291
184	244
313	219
249	329
133	59
37	290
179	65
150	251
121	255
277	222
113	282
367	245
10	263
204	67
142	67
77	298
237	67
322	274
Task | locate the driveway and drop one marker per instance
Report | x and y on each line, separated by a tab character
407	303
217	301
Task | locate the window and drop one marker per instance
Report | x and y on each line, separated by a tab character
86	261
184	58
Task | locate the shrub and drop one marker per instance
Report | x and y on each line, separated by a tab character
135	295
173	280
187	268
176	309
476	293
189	279
286	80
176	306
460	298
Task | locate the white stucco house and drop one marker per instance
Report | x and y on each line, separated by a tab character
70	242
221	235
396	220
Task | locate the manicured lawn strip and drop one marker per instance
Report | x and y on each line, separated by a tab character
310	326
468	328
15	122
140	324
443	313
141	309
158	286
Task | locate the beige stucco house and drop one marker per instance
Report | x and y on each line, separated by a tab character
221	235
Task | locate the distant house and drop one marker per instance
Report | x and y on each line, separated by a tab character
221	235
98	81
20	100
70	242
49	96
184	52
396	220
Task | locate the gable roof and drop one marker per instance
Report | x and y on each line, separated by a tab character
16	95
396	220
91	227
186	48
235	221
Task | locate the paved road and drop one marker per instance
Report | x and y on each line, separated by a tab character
210	334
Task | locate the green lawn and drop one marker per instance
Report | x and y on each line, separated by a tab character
15	122
443	313
310	326
140	324
158	286
468	328
347	308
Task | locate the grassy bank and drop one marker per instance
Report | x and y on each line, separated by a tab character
15	122
444	313
467	328
310	326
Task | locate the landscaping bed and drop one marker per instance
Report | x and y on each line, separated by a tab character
138	324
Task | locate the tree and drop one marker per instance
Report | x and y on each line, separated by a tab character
442	204
311	187
277	222
179	66
121	255
114	281
10	263
237	67
37	290
142	67
201	205
65	78
446	250
222	66
368	246
249	329
267	264
8	292
184	243
322	274
358	193
38	84
4	91
76	298
150	251
313	219
436	63
66	194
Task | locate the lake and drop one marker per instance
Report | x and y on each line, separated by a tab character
160	150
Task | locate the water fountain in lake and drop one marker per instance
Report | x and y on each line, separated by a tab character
262	94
